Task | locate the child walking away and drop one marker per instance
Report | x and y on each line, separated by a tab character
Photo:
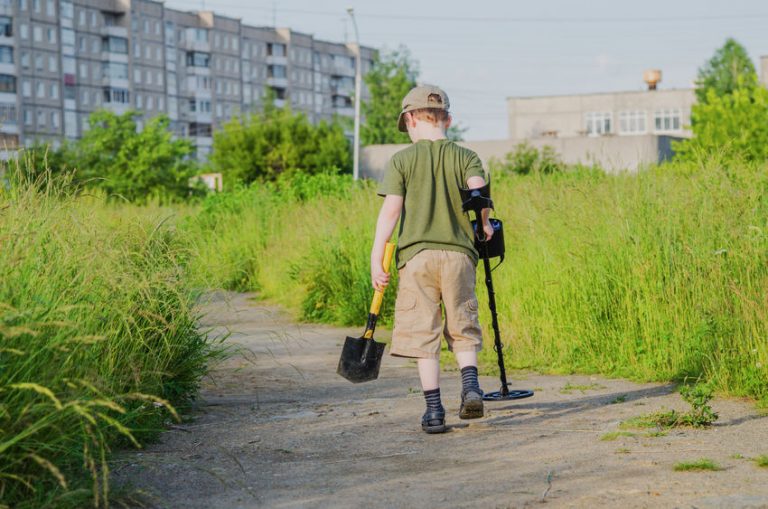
436	258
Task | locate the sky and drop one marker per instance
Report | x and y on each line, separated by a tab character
483	51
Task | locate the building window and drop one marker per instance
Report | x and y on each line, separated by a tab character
40	90
8	113
22	5
85	98
7	83
632	122
276	71
52	35
55	119
279	93
9	141
275	49
38	62
6	54
116	95
668	120
139	101
50	8
26	88
54	90
198	59
114	70
27	117
24	31
37	34
53	64
198	129
598	123
40	119
114	44
6	26
68	36
137	76
24	59
67	10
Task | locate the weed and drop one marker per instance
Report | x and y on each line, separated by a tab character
610	437
656	434
703	464
701	414
618	399
622	450
762	460
568	388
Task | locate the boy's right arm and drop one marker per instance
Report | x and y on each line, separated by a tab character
385	225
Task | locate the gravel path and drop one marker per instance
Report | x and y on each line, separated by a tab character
279	429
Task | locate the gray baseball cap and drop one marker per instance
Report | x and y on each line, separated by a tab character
420	97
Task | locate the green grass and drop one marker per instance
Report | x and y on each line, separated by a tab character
700	465
98	340
762	460
568	388
654	276
614	435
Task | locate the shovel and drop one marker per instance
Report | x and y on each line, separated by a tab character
361	357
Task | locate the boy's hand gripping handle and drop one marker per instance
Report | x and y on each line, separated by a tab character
378	295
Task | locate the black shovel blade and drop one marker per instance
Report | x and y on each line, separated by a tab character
360	359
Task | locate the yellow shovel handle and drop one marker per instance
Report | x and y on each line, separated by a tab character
389	250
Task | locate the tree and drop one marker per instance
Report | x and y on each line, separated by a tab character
135	165
273	141
733	125
729	69
390	78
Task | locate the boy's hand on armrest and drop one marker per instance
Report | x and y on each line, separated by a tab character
475	183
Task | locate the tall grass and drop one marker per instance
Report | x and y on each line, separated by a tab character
97	340
659	275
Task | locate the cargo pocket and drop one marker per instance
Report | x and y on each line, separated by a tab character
468	312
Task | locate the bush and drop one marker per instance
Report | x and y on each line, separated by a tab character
527	159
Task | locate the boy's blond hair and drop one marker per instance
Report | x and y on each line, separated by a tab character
432	115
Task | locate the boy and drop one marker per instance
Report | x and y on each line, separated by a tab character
435	257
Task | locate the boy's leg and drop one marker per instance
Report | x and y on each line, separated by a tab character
462	328
416	332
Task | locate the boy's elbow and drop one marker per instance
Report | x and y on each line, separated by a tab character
475	182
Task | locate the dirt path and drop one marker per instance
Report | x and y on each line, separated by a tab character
285	431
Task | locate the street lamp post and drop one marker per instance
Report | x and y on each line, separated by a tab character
358	87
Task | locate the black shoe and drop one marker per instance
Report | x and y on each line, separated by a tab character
471	404
434	422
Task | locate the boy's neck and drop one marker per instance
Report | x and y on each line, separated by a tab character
427	132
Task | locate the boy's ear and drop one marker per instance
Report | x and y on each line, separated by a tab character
448	121
410	120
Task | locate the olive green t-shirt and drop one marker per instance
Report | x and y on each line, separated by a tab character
428	175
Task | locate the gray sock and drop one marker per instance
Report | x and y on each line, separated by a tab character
469	379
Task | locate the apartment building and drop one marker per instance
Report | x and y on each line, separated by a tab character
60	60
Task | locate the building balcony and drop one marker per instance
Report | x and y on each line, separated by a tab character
203	141
7	98
193	70
116	82
278	82
9	127
7	41
343	69
117	108
275	60
109	56
344	111
193	45
114	30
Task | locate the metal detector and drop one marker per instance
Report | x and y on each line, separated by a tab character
476	200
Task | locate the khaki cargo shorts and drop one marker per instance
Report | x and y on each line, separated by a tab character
427	279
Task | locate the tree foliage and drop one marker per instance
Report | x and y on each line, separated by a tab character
391	77
274	141
730	118
729	69
526	159
114	156
734	126
134	164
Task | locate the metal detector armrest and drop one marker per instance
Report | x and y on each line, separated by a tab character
476	199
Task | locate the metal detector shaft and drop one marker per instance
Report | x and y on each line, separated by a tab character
492	305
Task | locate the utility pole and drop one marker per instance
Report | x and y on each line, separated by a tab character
358	87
